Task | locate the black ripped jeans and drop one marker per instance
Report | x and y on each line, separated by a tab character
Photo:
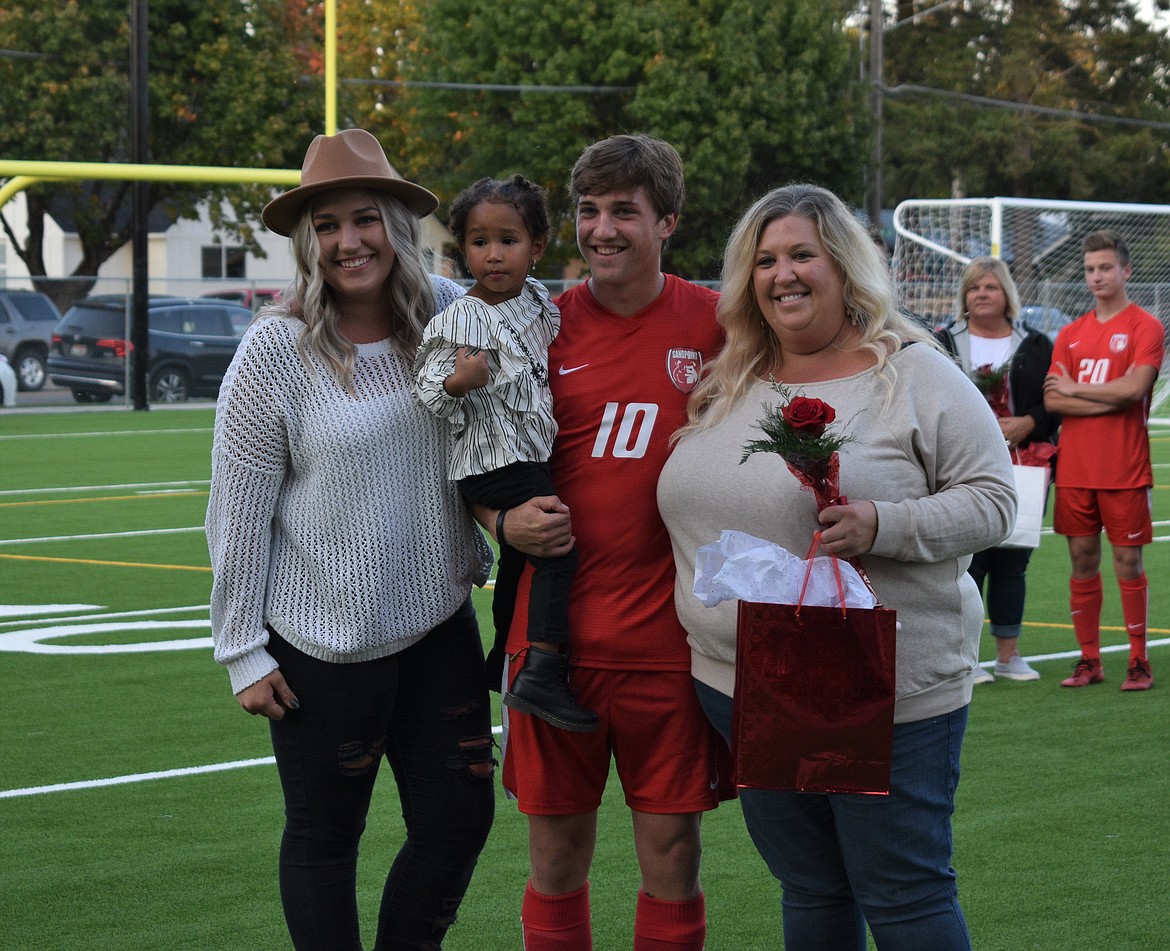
426	709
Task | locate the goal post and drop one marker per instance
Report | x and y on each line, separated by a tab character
1040	241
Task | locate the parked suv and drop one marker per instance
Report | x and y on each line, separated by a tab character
192	341
254	297
27	319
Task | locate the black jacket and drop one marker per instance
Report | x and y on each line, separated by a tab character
1031	358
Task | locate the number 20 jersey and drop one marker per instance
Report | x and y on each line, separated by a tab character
620	387
1110	451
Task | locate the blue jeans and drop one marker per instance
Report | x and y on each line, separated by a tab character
426	710
845	861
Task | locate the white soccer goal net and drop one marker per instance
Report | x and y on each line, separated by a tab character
1040	241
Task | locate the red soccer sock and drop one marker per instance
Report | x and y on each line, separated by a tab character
1135	609
670	925
1085	604
556	922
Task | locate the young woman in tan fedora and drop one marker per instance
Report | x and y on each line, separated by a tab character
344	559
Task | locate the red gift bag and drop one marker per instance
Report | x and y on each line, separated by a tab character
814	698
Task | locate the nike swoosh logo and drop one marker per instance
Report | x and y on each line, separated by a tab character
565	371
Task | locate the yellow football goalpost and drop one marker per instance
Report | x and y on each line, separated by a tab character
20	175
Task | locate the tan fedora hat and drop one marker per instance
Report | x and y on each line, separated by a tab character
350	159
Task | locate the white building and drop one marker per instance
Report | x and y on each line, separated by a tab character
186	257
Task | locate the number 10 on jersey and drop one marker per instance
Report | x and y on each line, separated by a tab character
629	428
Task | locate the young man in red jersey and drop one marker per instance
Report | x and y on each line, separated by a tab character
631	347
1104	365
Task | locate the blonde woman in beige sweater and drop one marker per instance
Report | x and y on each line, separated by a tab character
808	303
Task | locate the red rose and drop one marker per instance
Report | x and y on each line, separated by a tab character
808	417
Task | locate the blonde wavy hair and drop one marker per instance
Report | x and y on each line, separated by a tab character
751	349
310	299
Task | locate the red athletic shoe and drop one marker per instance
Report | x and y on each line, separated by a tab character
1087	671
1139	676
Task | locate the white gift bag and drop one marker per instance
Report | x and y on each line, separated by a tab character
1032	492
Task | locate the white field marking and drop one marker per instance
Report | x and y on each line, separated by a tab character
29	640
1047	530
12	610
32	611
1069	655
73	538
147	777
269	760
135	778
116	432
102	488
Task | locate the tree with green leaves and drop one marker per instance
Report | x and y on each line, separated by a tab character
753	95
225	89
1023	102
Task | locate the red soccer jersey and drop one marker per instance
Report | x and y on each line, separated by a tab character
1110	451
620	387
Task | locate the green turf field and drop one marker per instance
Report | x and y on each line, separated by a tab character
139	808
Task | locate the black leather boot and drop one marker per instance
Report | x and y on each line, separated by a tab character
542	690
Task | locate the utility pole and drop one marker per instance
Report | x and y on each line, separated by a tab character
873	196
139	312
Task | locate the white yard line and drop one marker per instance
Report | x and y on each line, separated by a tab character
72	538
116	432
102	488
147	777
269	761
135	778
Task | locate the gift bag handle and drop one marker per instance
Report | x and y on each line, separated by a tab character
816	543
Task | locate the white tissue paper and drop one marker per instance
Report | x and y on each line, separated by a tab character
740	566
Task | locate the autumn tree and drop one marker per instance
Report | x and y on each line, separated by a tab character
225	89
1027	99
753	95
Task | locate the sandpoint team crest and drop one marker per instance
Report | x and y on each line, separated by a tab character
684	368
1118	342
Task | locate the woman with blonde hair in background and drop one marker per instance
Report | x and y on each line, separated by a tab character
989	343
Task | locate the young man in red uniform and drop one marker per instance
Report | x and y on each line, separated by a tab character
1103	368
631	347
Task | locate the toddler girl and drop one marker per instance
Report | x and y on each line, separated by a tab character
483	365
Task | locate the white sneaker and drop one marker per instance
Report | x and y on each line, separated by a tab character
984	676
1016	669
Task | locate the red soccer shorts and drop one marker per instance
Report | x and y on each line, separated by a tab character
667	754
1123	513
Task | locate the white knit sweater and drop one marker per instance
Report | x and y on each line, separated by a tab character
330	516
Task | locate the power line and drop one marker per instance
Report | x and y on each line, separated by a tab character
906	90
489	87
903	90
22	54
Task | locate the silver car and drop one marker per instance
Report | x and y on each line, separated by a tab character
27	319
